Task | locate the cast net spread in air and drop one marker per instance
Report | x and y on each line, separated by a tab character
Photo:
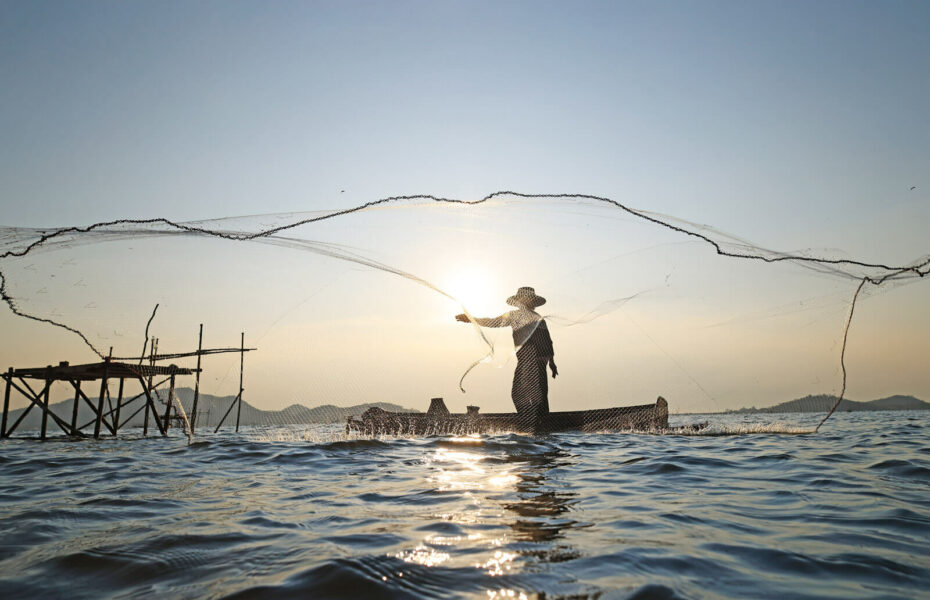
356	308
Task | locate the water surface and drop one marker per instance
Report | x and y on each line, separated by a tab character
287	513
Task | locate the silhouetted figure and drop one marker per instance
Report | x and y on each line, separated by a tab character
530	391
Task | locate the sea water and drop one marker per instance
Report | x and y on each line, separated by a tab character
309	513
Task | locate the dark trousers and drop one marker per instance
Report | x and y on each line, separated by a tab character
530	391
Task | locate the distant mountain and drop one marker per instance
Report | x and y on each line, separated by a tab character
823	402
210	411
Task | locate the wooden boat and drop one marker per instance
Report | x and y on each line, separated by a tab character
438	420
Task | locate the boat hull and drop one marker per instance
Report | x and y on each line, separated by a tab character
438	420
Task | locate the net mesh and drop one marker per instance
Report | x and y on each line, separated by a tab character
355	308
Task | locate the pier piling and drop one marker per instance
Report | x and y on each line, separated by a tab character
6	401
74	408
193	418
119	405
45	392
241	369
103	391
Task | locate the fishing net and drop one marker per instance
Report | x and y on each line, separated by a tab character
356	308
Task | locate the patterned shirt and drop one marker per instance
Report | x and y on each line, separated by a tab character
529	329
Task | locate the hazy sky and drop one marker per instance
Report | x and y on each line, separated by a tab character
797	125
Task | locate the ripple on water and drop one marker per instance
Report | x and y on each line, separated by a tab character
841	514
903	468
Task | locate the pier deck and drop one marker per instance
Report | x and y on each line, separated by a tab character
109	416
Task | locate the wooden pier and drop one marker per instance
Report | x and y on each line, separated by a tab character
107	416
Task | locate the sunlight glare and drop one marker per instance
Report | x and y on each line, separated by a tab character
477	289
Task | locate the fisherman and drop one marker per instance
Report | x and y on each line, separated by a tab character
530	391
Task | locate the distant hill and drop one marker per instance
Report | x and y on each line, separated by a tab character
210	410
823	402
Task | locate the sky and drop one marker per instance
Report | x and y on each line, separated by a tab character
796	125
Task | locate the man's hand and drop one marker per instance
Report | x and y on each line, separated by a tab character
555	370
463	318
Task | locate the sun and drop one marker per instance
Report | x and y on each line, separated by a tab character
477	289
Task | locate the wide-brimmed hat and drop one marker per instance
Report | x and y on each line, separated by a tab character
527	297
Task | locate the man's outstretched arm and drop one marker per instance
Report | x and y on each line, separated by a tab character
500	321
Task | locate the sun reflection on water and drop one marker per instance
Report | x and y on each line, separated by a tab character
502	492
451	540
506	593
460	470
498	563
472	475
423	555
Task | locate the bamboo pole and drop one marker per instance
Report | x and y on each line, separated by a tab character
145	420
112	427
125	404
197	380
74	409
109	399
36	400
151	405
20	419
103	391
93	409
143	407
119	405
167	418
226	414
6	401
48	385
241	368
32	393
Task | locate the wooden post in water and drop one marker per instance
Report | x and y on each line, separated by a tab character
150	405
145	420
109	399
167	418
241	367
145	414
193	418
74	409
6	401
48	385
119	405
103	391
